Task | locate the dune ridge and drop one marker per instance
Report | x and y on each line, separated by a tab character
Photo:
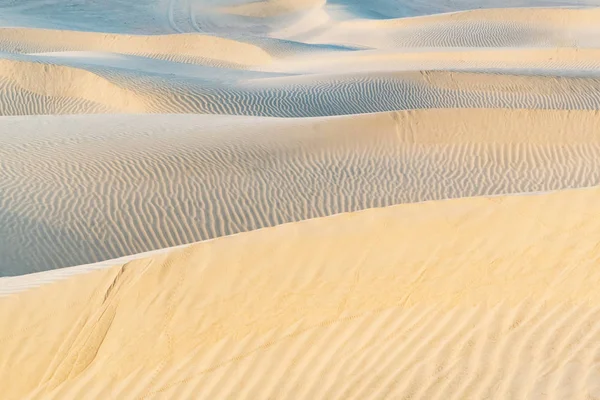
90	89
54	83
252	65
29	40
551	60
411	289
569	17
73	194
519	27
306	199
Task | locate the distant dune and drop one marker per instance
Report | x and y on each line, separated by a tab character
305	70
169	47
299	199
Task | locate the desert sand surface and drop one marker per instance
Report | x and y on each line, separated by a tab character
488	297
82	189
308	199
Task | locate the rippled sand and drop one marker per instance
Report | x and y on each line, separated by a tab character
75	194
480	297
299	199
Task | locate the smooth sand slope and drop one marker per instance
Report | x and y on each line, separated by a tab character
76	190
467	298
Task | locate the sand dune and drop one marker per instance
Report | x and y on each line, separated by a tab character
82	189
307	199
168	47
478	28
555	61
482	297
268	70
152	17
34	88
272	8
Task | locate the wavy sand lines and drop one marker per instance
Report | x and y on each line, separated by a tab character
91	195
412	306
312	199
81	89
547	58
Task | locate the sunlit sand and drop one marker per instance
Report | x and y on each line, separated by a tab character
299	199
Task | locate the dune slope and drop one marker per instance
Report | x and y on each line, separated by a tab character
299	199
296	58
481	297
76	190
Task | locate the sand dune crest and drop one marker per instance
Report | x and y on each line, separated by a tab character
331	294
56	81
299	199
217	175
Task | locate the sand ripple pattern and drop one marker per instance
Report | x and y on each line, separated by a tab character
259	62
299	199
31	88
477	29
70	194
401	302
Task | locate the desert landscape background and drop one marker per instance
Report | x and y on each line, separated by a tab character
299	199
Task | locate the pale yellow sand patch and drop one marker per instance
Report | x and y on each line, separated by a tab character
50	84
506	28
482	297
496	59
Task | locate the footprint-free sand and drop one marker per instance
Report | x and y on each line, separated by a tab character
308	199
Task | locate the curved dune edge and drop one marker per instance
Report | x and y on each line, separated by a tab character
419	299
482	28
97	91
176	46
551	59
52	81
103	175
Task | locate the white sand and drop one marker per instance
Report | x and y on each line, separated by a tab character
268	59
81	189
130	129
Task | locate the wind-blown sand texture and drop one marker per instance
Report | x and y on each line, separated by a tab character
467	298
309	199
75	194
